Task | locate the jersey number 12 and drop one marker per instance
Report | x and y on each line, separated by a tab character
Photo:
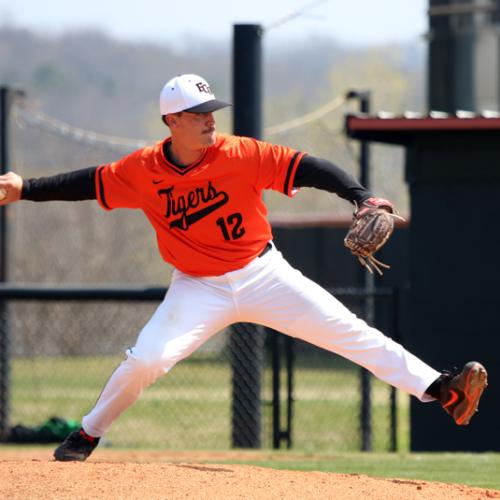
231	226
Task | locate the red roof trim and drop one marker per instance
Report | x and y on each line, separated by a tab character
357	123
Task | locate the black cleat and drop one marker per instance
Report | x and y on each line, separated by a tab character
461	392
76	447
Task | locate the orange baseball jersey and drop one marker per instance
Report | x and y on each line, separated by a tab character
209	217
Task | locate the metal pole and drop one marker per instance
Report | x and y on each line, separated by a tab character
4	333
247	80
5	95
393	446
276	350
247	349
247	360
290	357
276	363
368	281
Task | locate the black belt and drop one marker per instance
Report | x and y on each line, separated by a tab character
266	249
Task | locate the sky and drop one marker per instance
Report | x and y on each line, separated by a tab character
351	22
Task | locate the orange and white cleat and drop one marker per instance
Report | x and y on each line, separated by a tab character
460	392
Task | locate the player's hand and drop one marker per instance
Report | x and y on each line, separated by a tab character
11	186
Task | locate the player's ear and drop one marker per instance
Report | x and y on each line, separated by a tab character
171	120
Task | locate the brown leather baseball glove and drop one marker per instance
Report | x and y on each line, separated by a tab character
372	226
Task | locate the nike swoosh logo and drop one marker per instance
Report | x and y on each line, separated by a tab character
187	220
453	399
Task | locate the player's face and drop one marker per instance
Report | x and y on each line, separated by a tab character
197	129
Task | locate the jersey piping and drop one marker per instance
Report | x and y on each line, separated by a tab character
291	173
101	188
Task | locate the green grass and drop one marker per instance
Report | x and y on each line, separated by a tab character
474	469
190	408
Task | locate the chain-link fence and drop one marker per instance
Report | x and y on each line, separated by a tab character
223	396
63	352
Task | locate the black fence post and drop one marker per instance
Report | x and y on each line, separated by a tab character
276	377
247	346
247	359
290	357
247	80
396	336
276	343
369	284
5	98
368	281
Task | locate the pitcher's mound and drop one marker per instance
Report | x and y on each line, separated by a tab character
146	476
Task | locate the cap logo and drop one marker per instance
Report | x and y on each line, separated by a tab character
203	87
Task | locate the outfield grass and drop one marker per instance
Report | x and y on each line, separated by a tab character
474	469
190	408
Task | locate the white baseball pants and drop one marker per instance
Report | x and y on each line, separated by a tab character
266	291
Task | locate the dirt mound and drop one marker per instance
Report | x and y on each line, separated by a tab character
149	476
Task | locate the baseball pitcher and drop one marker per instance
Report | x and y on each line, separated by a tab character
202	193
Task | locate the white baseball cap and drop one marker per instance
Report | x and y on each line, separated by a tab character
189	93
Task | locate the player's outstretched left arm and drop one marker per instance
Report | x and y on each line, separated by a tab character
11	186
373	220
323	174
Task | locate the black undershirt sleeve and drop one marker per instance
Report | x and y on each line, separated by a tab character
323	174
70	186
